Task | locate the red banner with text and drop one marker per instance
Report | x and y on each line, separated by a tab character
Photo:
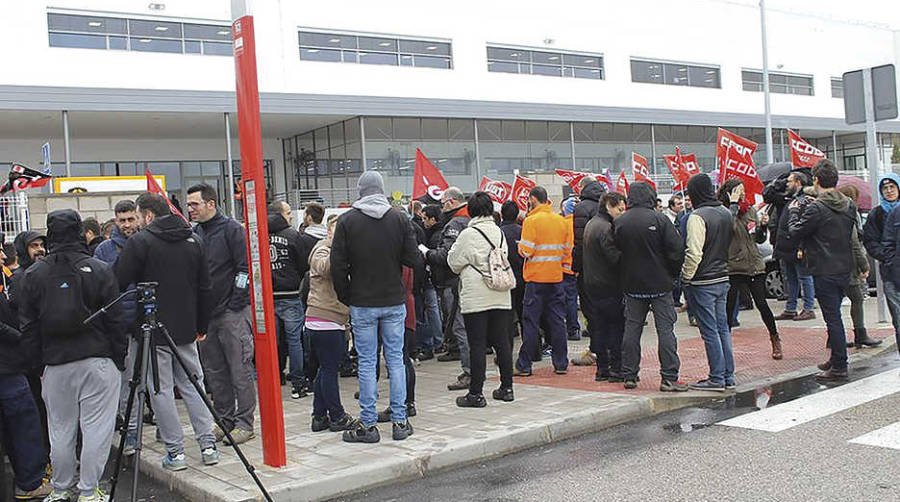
734	155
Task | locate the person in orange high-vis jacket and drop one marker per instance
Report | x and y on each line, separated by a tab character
546	242
570	280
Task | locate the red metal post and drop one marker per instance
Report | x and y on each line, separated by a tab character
257	228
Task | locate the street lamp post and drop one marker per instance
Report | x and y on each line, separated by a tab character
770	156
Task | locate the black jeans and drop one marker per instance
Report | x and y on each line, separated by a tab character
22	433
489	327
830	291
607	326
409	347
757	286
584	299
330	347
518	298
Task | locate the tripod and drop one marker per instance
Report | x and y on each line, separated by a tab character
144	362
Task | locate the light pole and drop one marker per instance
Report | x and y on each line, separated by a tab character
770	156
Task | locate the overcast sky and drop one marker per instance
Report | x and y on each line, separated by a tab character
882	12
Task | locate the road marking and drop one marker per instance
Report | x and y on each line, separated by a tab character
886	437
806	409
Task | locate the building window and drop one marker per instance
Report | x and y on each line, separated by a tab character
657	72
142	35
780	83
837	88
394	51
555	64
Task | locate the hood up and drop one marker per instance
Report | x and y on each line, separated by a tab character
641	194
593	191
21	243
701	191
170	228
65	232
885	204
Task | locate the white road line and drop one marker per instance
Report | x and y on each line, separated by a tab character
886	437
806	409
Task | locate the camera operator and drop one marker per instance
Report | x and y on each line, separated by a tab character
168	253
80	380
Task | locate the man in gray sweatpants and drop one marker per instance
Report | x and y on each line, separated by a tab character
82	362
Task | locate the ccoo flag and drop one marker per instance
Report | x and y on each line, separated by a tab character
640	170
622	183
734	156
802	153
427	179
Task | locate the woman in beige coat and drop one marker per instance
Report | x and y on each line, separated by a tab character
487	313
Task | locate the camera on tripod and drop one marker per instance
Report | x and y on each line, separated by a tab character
146	292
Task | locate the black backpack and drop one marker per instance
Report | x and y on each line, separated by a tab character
64	306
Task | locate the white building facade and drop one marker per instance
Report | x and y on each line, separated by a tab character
483	88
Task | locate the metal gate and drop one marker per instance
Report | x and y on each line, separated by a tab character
13	214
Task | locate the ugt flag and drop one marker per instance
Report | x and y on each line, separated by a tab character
734	155
641	170
427	179
22	177
498	191
521	189
802	153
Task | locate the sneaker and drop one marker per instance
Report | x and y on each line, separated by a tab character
342	424
425	355
630	383
59	496
240	436
402	431
547	351
174	463
805	315
461	383
787	315
521	373
96	495
616	378
708	385
824	366
833	375
297	391
320	424
210	455
471	401
359	433
130	443
40	492
503	394
670	386
448	356
730	385
217	432
411	410
384	416
574	337
601	376
561	371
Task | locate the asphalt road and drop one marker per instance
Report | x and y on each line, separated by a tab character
688	456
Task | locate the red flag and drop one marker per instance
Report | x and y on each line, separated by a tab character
521	190
735	157
676	167
427	179
689	166
498	191
622	184
640	170
22	177
573	178
802	153
153	187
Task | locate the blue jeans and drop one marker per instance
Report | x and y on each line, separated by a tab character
830	291
712	317
23	438
543	301
570	283
428	325
892	295
796	277
367	322
329	347
289	311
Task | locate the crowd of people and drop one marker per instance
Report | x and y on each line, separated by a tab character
454	281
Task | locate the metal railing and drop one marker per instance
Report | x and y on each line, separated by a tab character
14	214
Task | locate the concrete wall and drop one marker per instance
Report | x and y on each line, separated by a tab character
97	205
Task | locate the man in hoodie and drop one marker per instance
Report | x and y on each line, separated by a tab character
652	255
883	250
227	354
290	262
455	219
371	245
705	275
600	274
82	361
184	302
831	251
30	248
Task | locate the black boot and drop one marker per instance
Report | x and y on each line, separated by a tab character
862	338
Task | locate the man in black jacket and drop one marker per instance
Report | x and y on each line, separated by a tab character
82	361
831	251
705	275
227	354
371	245
165	251
652	255
290	263
600	274
22	438
455	220
429	330
512	232
796	276
587	207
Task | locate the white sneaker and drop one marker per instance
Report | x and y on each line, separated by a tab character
96	496
59	496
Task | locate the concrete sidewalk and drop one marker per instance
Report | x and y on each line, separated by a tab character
547	408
